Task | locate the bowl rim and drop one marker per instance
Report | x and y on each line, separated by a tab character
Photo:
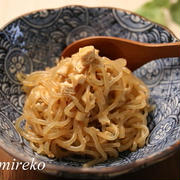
90	7
114	170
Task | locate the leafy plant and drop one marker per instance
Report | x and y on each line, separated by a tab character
175	11
154	10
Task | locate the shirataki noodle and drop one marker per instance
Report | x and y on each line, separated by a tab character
87	105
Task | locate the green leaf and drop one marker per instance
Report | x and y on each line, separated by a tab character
153	12
161	3
175	12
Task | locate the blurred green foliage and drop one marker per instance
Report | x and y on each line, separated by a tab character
161	3
154	10
175	12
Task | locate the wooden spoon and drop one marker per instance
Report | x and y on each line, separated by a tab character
136	53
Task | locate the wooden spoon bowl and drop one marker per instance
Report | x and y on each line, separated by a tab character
136	53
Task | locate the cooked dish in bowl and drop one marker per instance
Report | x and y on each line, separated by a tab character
34	41
87	105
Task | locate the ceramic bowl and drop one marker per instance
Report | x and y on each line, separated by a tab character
34	41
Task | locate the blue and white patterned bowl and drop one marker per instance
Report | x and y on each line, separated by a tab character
34	41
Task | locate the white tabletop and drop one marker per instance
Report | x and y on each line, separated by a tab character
10	9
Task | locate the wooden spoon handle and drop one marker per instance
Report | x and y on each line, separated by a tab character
136	53
164	50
